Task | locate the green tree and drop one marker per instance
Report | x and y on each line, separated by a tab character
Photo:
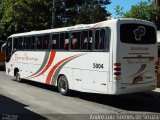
86	11
24	15
143	10
1	9
119	11
28	15
71	12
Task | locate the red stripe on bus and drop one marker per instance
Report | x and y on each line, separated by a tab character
135	80
95	25
141	69
50	74
51	59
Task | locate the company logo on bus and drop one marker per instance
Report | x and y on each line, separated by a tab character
139	32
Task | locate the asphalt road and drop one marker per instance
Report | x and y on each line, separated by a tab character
34	101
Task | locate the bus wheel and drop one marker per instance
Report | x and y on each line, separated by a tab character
18	77
63	86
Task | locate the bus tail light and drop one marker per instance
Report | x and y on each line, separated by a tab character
156	67
117	64
117	71
156	71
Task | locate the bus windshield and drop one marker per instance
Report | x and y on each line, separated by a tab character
137	34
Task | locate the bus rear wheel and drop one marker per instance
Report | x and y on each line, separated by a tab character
63	86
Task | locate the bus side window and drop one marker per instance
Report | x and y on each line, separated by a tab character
27	42
55	41
33	43
46	41
75	40
15	44
39	42
99	39
90	40
107	39
84	40
66	41
103	38
62	39
20	43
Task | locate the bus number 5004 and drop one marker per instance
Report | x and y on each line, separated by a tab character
98	66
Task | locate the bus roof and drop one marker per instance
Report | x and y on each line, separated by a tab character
65	29
76	27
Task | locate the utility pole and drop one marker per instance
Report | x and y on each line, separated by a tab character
53	14
157	6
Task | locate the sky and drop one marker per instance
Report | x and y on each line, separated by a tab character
126	4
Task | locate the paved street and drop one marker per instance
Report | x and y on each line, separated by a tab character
30	100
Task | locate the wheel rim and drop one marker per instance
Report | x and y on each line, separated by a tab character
63	85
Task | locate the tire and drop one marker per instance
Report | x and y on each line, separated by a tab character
18	77
63	86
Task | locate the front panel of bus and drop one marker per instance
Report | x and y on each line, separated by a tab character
136	56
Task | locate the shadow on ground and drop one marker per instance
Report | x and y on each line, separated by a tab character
144	102
10	109
139	102
39	85
2	68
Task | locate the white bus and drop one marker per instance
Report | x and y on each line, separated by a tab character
111	57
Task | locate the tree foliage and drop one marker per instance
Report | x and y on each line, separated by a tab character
69	12
119	11
143	10
24	15
27	15
85	11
